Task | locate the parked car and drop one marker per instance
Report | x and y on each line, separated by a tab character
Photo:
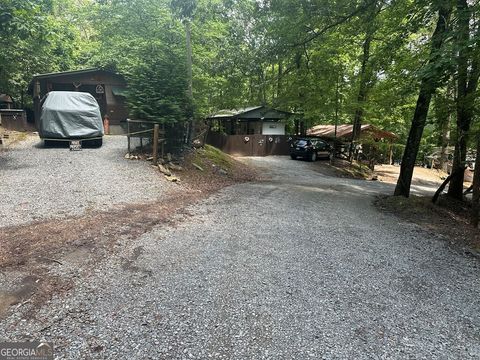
68	115
310	149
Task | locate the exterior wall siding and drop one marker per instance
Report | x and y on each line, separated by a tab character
273	128
251	145
15	120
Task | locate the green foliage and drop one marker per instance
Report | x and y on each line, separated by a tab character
33	40
380	151
298	56
214	156
141	40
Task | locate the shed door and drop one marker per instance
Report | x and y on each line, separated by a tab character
98	92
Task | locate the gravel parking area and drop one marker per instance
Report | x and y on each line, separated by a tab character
38	183
300	266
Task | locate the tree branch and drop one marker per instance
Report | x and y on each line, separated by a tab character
340	21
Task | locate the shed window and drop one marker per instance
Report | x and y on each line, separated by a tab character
119	91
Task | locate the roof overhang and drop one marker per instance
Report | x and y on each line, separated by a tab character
250	113
4	98
54	75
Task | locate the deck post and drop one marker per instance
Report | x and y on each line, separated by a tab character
128	134
156	129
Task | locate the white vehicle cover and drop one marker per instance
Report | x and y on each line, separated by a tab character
68	114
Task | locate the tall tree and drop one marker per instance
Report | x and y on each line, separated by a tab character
475	215
185	10
365	76
444	108
428	84
35	37
141	40
468	72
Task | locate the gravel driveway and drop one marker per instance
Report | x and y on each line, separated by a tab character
37	183
296	267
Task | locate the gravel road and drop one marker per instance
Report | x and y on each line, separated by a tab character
37	183
296	267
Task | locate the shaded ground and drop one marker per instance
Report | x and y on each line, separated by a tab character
448	218
299	265
344	169
384	173
424	182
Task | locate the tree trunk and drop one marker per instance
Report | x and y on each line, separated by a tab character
444	141
445	183
188	36
263	91
279	79
427	88
455	190
476	188
337	106
413	142
443	116
468	65
362	91
365	76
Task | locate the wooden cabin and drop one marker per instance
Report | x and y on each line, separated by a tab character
251	131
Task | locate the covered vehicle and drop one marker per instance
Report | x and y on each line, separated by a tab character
71	116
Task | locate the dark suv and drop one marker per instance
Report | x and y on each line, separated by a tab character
310	149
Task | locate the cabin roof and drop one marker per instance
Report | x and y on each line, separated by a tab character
4	98
261	112
72	72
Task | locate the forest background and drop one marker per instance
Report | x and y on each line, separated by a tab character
410	67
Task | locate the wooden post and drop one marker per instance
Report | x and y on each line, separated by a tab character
163	140
390	155
156	128
128	134
106	124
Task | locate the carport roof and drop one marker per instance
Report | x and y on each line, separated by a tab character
346	130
